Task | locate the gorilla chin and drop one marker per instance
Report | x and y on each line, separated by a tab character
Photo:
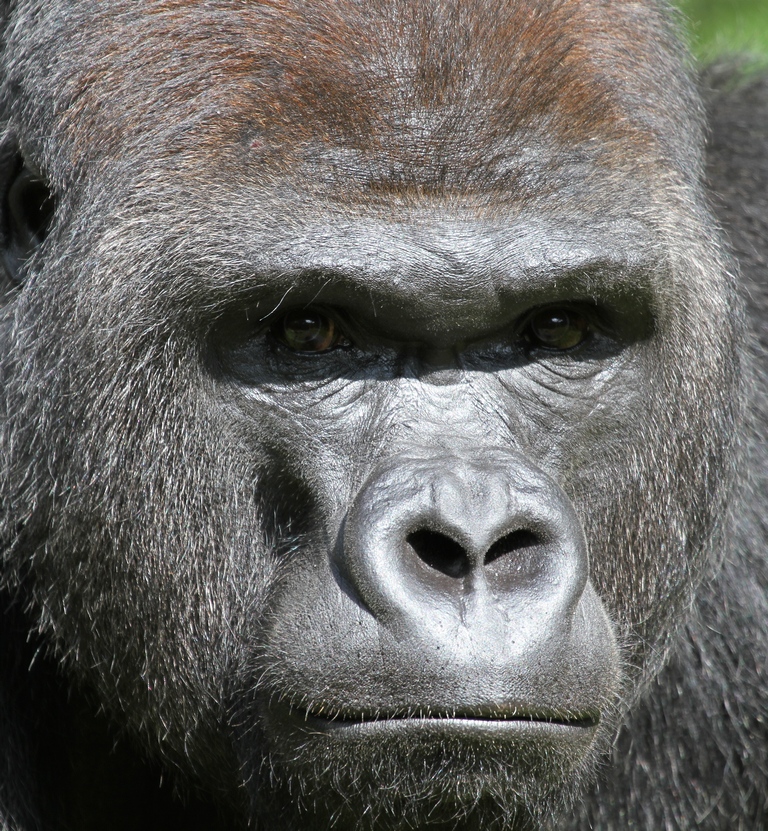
439	771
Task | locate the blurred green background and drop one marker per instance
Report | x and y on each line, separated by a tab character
722	26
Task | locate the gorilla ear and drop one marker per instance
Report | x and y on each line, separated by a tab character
27	213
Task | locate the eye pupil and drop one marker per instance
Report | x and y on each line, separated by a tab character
558	329
307	331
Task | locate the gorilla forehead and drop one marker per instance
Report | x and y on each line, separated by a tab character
385	93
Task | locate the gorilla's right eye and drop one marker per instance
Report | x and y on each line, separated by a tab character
308	330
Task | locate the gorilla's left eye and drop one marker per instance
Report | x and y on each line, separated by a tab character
26	216
557	327
307	330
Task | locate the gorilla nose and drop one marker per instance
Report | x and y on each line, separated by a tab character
484	541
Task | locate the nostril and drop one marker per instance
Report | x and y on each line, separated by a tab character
440	552
447	556
509	543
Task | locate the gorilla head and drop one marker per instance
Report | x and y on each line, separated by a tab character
370	386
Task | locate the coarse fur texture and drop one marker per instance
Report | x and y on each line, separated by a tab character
382	413
694	753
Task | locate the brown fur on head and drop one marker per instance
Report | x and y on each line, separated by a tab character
378	95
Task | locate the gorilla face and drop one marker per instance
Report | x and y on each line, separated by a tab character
365	438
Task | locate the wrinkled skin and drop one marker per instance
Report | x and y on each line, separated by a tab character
377	420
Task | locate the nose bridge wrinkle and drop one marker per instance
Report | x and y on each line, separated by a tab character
441	376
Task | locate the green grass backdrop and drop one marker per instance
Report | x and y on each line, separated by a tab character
725	26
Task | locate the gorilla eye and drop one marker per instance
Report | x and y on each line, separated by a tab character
29	207
307	330
557	328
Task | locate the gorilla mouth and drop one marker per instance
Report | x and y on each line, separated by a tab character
520	720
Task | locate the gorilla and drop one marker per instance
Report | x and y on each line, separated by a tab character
382	415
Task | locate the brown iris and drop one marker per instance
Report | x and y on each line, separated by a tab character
558	328
307	330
